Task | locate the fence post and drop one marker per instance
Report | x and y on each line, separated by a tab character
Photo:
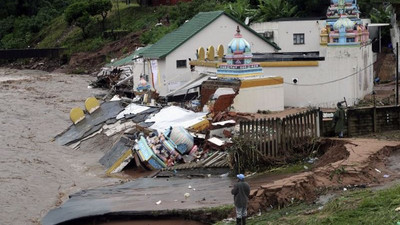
257	139
284	134
274	137
348	114
374	119
263	144
308	124
278	136
292	134
241	129
318	122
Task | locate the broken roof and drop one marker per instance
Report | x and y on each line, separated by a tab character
173	40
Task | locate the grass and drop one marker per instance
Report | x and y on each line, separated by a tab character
52	34
352	207
125	18
291	168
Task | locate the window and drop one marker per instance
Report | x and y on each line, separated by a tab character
181	64
298	39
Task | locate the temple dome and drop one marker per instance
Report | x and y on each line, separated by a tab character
239	44
344	21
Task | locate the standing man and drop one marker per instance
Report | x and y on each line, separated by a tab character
338	120
241	192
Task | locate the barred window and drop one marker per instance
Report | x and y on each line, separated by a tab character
298	39
181	64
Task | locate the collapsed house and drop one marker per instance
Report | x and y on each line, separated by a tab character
152	137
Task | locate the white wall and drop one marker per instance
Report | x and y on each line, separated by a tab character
342	71
333	79
284	30
221	31
259	98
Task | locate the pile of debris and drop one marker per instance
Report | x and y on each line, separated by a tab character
151	137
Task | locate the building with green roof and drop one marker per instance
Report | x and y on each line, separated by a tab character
168	59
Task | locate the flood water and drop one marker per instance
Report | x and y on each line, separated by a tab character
150	222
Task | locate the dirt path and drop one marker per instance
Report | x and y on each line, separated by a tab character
35	173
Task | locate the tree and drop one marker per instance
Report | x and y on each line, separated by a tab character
382	14
240	10
310	8
77	14
100	7
83	22
273	9
143	2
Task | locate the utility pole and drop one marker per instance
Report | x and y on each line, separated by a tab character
397	73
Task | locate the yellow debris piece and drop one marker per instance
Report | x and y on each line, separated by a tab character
121	162
91	104
76	115
200	126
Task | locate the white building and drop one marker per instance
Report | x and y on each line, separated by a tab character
293	34
341	70
321	61
169	57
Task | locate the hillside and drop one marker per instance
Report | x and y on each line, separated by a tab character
126	26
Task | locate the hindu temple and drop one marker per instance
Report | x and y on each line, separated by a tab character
343	25
239	60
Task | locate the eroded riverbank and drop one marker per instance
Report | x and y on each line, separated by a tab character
36	173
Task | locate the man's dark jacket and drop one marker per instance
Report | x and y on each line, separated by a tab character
241	192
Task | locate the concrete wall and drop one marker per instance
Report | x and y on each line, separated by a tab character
259	98
346	72
221	31
284	30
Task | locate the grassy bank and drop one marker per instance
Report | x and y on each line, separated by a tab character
351	207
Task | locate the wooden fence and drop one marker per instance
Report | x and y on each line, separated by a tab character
275	135
361	121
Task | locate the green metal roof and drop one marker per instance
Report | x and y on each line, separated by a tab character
129	58
173	40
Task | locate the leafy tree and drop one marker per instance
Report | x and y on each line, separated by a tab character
240	10
382	14
143	2
273	9
83	22
100	7
366	7
309	8
186	10
77	14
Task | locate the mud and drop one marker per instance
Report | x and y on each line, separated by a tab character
331	151
361	164
393	161
35	173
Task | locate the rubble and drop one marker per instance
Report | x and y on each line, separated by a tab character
153	137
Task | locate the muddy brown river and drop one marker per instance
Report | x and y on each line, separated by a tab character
35	173
150	222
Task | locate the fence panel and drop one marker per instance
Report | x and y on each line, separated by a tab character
273	136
